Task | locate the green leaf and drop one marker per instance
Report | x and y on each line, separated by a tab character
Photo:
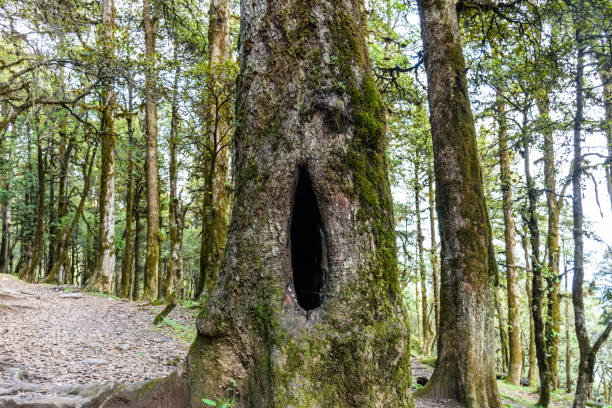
209	402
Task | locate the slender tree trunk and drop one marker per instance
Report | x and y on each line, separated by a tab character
175	264
435	265
421	259
105	266
308	298
514	329
528	275
503	338
28	270
537	285
127	266
6	228
216	199
150	20
553	320
587	352
136	252
67	231
568	349
465	370
605	73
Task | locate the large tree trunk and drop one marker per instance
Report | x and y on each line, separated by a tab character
587	352
307	310
150	22
105	266
514	330
216	199
465	369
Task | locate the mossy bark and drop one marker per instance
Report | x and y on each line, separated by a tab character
216	197
150	24
465	366
514	329
435	264
307	104
127	265
105	266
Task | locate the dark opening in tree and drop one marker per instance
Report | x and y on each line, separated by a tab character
308	250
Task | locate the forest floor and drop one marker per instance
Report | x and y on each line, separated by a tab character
54	336
63	347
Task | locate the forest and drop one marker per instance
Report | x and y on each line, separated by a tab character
305	203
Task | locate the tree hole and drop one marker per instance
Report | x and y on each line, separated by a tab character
308	248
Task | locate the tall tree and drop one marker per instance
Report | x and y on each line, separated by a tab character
216	199
588	352
465	367
308	297
151	23
105	267
514	329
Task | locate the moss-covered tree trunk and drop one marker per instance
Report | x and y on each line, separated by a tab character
588	352
537	282
216	199
435	264
105	266
515	357
421	258
307	311
6	229
127	265
465	366
175	263
150	23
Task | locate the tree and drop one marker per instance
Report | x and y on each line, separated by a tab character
465	367
151	24
308	296
588	352
105	266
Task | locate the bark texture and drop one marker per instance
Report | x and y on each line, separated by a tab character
514	329
216	198
105	266
588	352
465	366
435	263
150	23
308	112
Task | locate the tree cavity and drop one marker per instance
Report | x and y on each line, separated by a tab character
308	248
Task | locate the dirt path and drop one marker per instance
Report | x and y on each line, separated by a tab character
56	336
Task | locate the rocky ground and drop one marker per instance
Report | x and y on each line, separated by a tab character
54	337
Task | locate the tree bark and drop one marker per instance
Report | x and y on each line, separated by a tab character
65	234
537	284
553	321
137	232
6	229
514	330
588	353
311	186
150	22
127	265
421	258
465	369
28	270
105	266
216	199
435	265
175	262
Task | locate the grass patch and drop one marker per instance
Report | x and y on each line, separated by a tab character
183	333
